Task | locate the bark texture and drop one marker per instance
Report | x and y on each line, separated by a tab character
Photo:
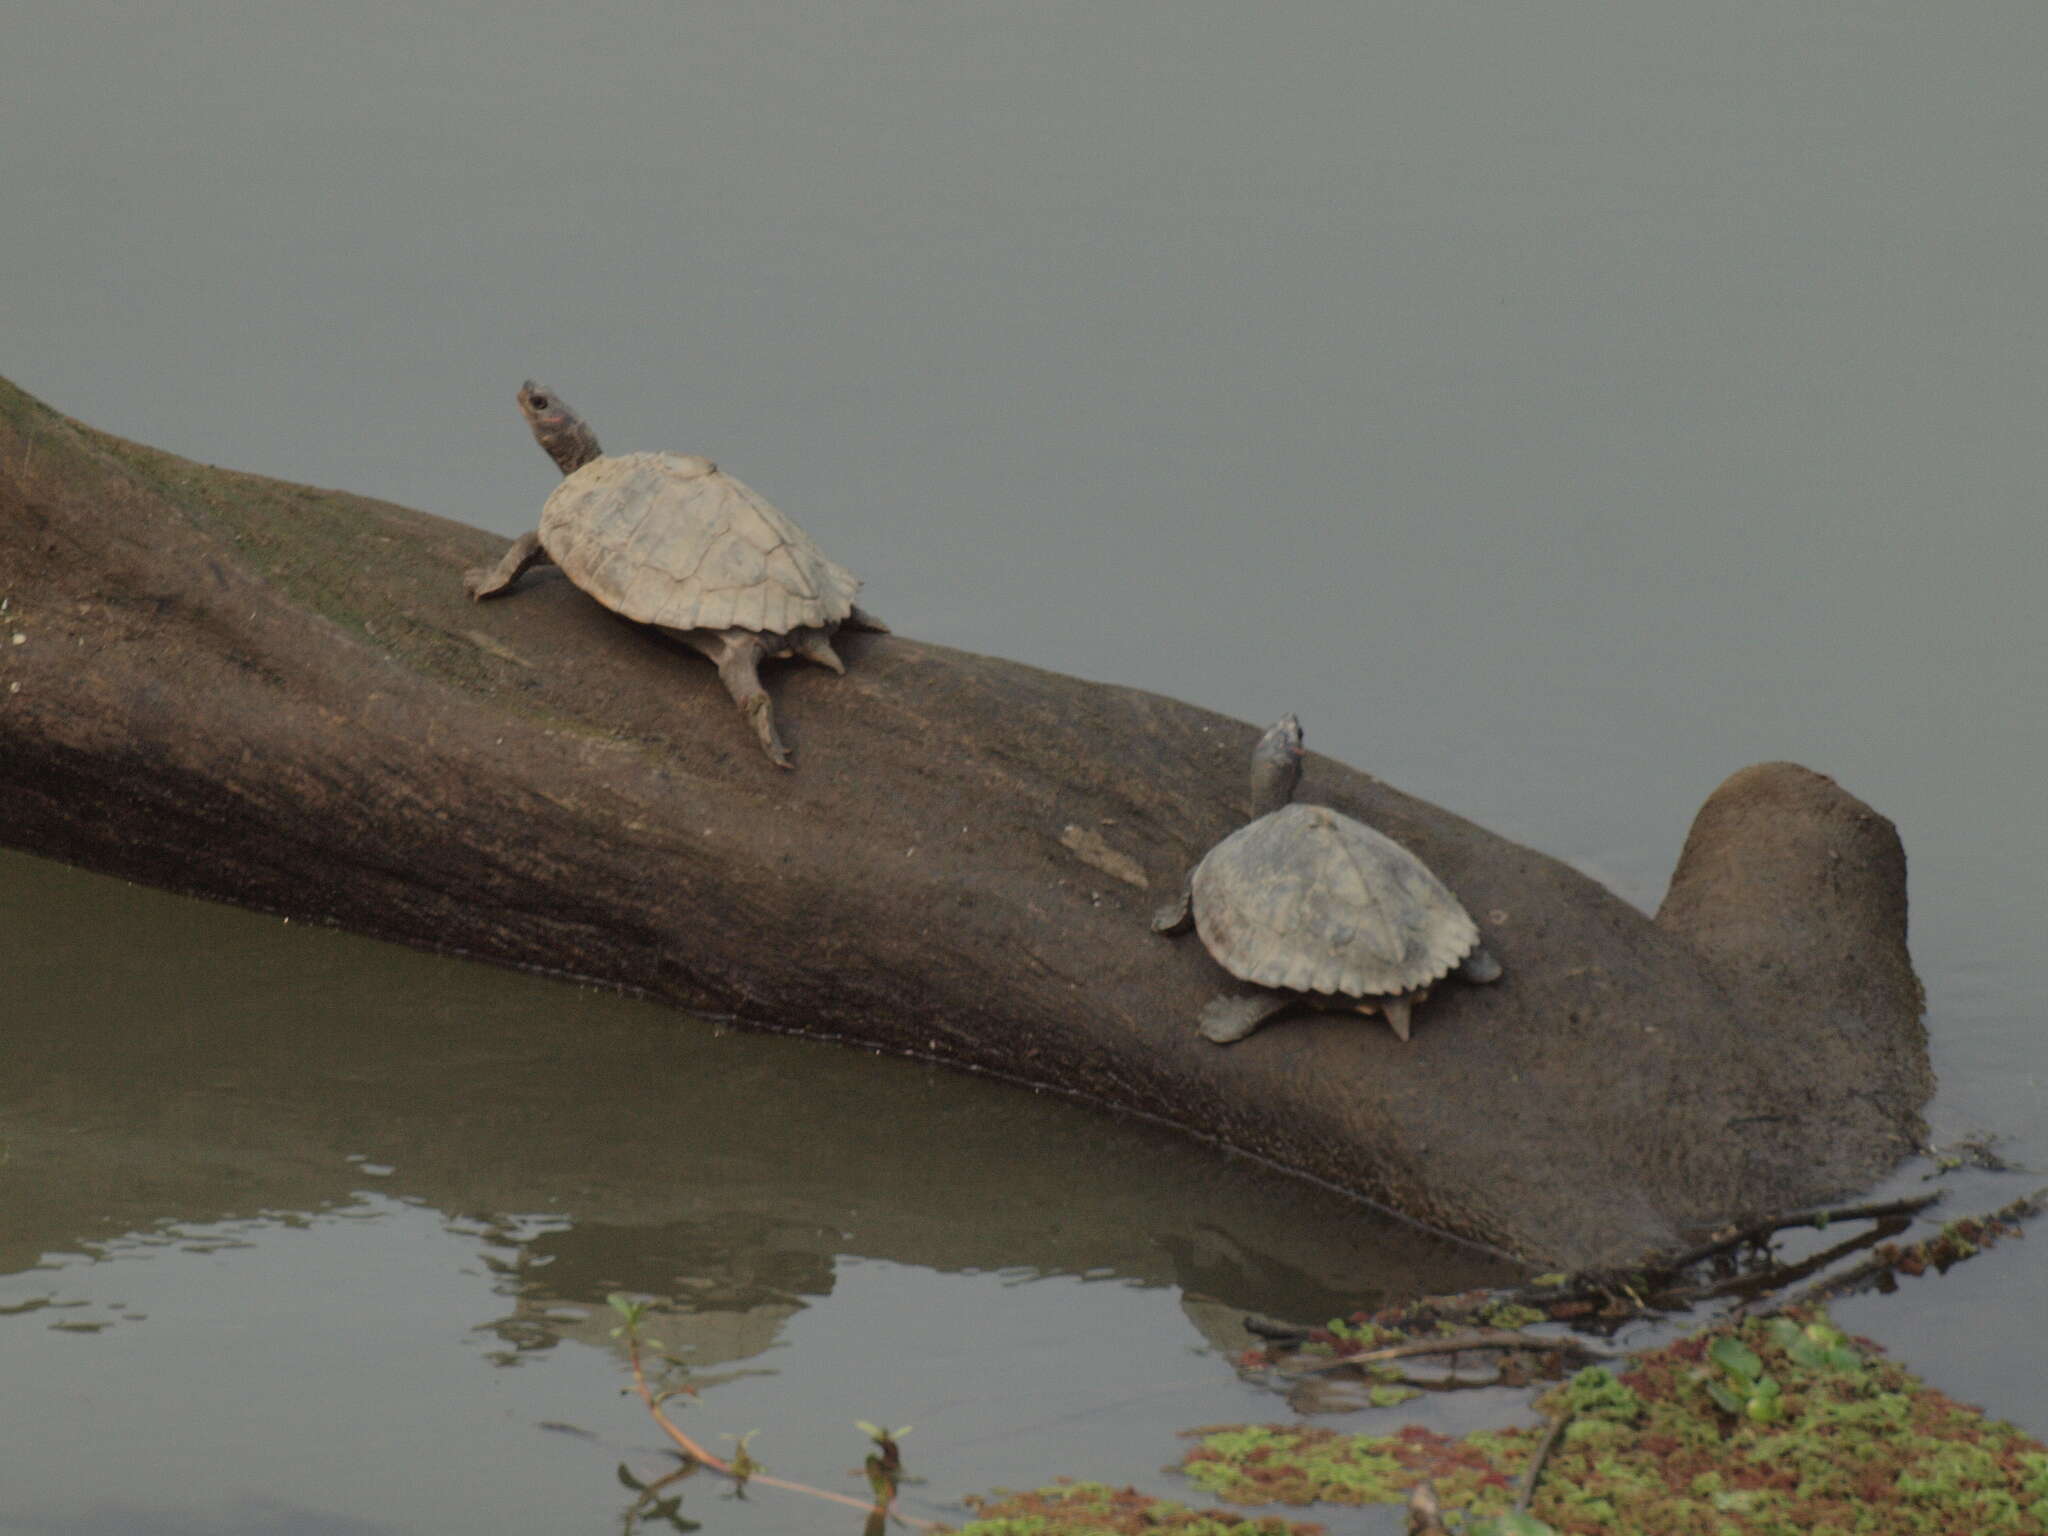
279	696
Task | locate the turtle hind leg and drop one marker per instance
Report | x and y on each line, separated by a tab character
489	580
1230	1018
816	645
738	653
860	618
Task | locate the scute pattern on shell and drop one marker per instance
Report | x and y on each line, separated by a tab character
1309	900
669	538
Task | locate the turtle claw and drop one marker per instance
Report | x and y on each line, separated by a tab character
760	713
485	581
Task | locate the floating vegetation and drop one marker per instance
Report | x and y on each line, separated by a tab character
1774	1424
1095	1509
1771	1427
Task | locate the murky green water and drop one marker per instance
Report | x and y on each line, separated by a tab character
1560	408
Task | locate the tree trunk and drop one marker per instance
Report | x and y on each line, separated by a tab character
280	697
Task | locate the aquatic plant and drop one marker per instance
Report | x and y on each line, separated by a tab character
1095	1509
884	1467
1676	1444
1775	1425
884	1464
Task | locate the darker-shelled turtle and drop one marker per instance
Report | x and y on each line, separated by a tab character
1314	907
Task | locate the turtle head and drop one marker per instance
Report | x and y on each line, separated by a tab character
565	436
1276	766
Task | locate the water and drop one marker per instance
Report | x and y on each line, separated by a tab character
285	1204
1560	410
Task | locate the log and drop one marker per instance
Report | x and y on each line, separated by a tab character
279	696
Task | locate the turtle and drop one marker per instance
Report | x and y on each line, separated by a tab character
671	540
1314	907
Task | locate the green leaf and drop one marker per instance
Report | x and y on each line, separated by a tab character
1764	1409
1803	1351
1735	1357
1726	1401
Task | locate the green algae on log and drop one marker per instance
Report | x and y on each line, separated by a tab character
278	696
1855	1443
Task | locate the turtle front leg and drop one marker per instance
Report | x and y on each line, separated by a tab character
1178	915
738	653
1479	968
489	580
1228	1019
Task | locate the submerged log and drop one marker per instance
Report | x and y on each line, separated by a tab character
279	696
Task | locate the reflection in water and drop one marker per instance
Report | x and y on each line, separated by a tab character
250	1370
306	1185
721	1291
209	1063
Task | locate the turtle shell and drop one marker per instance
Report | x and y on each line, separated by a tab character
1308	900
670	539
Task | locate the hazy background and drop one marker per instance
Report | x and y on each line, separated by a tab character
1559	407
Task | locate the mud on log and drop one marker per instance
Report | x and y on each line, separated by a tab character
280	697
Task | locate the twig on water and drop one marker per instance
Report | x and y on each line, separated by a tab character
1876	1210
1456	1343
1974	1232
702	1455
1657	1286
1527	1490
